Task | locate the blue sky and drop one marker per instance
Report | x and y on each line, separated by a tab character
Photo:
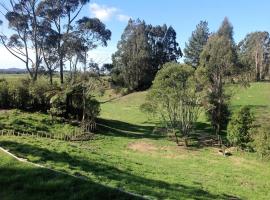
245	15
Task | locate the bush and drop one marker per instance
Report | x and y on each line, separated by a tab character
39	94
92	109
19	94
261	142
4	95
175	99
238	131
57	106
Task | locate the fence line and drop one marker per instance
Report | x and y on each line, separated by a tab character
76	135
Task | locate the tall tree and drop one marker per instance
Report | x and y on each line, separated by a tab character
226	30
27	36
218	59
63	17
142	50
50	58
254	54
164	47
133	55
195	45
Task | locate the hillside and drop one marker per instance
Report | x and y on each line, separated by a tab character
128	153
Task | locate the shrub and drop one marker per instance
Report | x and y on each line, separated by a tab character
238	131
19	94
92	109
4	95
261	142
175	99
39	94
57	106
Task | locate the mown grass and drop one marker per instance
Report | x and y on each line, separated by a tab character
127	154
23	181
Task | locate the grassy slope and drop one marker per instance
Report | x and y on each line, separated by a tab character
23	181
31	122
129	156
257	96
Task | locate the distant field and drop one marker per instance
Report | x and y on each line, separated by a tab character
127	154
13	77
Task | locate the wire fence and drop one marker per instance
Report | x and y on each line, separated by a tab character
76	135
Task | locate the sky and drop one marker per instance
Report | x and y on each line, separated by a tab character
183	15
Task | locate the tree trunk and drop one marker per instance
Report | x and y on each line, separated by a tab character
61	69
257	67
51	77
186	142
176	138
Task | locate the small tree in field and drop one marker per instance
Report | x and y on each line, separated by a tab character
239	127
175	99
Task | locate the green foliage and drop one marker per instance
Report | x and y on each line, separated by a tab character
254	51
40	94
175	98
4	94
219	59
19	94
57	105
261	141
239	127
112	161
77	100
142	50
196	43
226	30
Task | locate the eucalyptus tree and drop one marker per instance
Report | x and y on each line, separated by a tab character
254	54
218	60
164	46
133	56
50	58
141	52
63	17
27	33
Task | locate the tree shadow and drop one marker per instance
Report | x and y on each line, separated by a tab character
38	183
117	128
144	186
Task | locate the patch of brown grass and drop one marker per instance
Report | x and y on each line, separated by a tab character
142	147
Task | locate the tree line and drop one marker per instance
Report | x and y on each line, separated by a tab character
181	92
48	34
147	57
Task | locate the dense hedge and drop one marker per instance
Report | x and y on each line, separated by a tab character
65	101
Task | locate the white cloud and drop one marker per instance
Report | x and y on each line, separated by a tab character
123	18
102	12
107	13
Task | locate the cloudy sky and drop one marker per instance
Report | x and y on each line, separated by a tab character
183	15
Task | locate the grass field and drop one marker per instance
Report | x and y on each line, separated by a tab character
128	155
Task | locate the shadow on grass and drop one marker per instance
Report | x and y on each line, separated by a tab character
123	129
150	187
37	183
